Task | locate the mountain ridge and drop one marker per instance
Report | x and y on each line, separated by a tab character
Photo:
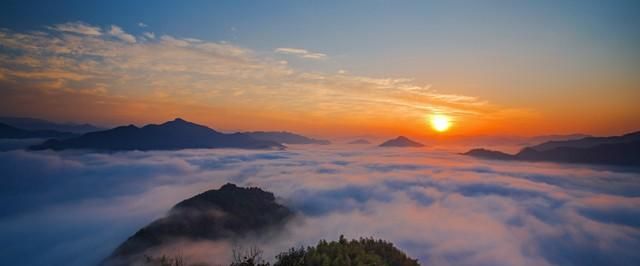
171	135
30	123
401	141
621	150
12	132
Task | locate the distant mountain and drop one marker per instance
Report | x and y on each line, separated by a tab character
172	135
489	154
401	141
588	142
546	138
227	213
40	124
285	137
618	150
10	132
360	141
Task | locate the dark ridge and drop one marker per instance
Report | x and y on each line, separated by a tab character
618	150
401	141
587	142
11	132
28	123
172	135
489	154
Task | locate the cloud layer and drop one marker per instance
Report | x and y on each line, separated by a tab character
74	208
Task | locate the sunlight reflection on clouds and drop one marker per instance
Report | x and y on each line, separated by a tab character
443	208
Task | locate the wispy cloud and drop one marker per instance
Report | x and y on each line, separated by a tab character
301	53
192	74
142	25
77	27
149	35
120	34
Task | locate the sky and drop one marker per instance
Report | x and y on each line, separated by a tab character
74	208
328	68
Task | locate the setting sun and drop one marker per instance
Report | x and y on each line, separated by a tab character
440	123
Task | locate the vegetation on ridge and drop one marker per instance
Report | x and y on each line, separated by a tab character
360	252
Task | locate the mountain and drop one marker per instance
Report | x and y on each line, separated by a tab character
536	140
172	135
227	213
360	141
285	138
401	141
489	154
10	132
588	142
617	150
40	124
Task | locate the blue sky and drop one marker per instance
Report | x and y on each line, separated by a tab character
361	34
535	55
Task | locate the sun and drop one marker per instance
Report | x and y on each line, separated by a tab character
440	123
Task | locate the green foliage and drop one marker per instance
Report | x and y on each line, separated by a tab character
361	252
364	251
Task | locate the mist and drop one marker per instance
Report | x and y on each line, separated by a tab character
74	208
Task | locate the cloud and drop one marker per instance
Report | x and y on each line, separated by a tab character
193	77
149	35
301	53
120	34
77	27
440	207
142	25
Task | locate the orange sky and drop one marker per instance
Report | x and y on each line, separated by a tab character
92	78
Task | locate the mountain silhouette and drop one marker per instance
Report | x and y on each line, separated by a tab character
588	142
11	132
285	137
401	141
172	135
226	213
617	150
29	123
360	141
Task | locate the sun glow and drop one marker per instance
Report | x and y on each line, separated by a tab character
440	123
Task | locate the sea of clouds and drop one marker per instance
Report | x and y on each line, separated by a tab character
74	208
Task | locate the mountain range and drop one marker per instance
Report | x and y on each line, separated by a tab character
28	123
11	132
615	150
172	135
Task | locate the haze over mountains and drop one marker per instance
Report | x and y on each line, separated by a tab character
617	150
11	132
360	141
29	123
284	137
226	213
